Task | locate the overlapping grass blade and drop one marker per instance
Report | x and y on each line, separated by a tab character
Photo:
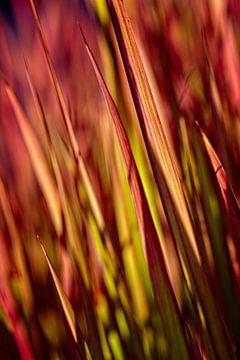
73	238
67	121
164	167
161	285
68	218
159	151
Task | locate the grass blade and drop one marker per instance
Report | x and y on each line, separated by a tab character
67	308
165	173
161	285
38	162
231	204
67	121
159	151
71	228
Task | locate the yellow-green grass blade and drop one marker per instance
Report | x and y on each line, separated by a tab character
164	169
158	147
163	292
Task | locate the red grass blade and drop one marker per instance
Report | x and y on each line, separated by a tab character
67	121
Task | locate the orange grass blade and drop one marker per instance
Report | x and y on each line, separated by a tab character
38	162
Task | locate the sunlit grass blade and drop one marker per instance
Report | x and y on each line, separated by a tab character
38	161
163	292
158	147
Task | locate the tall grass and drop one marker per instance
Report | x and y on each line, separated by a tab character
119	181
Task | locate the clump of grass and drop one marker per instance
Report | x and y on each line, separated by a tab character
119	190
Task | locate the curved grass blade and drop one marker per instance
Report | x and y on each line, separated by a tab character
163	292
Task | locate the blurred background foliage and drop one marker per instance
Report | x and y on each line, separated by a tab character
119	218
